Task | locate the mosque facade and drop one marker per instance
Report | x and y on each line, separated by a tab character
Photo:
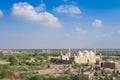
80	57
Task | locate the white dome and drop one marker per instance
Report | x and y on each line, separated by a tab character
86	53
92	53
80	54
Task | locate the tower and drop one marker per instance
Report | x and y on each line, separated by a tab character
80	54
95	51
69	52
61	52
100	56
61	55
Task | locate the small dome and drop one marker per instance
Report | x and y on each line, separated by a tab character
92	53
80	54
86	53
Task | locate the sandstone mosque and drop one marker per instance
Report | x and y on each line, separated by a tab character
81	57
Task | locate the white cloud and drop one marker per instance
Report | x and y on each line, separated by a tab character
79	30
28	12
1	13
41	7
70	9
103	36
97	23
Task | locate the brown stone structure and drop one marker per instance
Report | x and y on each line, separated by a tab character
111	64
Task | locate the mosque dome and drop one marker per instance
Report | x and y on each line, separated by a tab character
92	53
80	54
86	53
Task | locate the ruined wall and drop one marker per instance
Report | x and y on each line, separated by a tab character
117	65
109	65
88	59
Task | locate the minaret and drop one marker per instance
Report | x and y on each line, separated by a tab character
61	55
95	51
100	56
69	52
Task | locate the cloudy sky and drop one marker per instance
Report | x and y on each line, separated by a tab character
39	24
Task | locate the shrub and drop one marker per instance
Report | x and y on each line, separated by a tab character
76	66
62	78
77	77
67	71
37	77
13	60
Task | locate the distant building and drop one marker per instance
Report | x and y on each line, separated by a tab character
111	64
80	57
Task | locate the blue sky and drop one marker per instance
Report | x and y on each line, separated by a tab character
39	24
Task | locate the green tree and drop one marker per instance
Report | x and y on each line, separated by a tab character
5	71
13	60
